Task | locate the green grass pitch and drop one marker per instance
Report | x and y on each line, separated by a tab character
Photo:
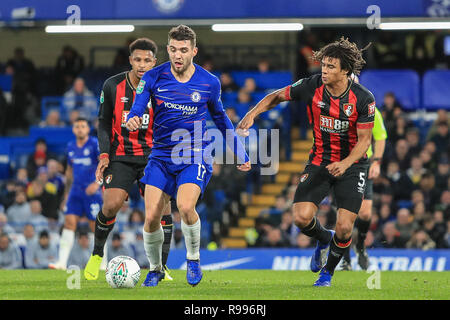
230	285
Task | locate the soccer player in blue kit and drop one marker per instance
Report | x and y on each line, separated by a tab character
82	192
181	94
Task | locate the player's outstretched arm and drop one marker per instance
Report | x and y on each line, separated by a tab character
268	102
225	126
140	103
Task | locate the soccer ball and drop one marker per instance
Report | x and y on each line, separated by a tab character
122	272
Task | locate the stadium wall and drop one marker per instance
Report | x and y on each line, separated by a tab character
299	259
44	49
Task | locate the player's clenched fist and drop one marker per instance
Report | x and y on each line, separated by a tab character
134	123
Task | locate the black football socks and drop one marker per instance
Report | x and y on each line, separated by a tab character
363	227
315	230
337	250
103	227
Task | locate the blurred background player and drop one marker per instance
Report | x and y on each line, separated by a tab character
123	154
181	93
82	192
363	221
342	114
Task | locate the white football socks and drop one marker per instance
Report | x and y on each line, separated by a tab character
65	247
153	247
191	235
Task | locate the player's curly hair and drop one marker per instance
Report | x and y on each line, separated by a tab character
347	52
183	32
143	44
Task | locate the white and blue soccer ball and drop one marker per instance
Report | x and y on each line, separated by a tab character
122	272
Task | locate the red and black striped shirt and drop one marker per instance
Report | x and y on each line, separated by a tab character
114	138
334	120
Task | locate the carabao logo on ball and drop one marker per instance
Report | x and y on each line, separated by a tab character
120	274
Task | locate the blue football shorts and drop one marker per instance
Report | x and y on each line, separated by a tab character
168	176
79	203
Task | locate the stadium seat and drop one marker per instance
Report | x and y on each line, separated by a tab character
229	98
269	80
405	84
435	87
6	82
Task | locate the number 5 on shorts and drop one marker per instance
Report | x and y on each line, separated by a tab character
362	180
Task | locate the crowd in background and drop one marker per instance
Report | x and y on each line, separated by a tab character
411	197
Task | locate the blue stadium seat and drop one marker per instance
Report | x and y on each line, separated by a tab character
229	98
6	82
435	88
269	80
405	84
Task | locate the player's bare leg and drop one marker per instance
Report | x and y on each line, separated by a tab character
187	198
305	219
66	242
155	202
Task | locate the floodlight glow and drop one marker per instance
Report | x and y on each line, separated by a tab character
257	27
414	25
89	28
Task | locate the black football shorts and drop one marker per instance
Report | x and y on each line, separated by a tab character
316	183
122	175
368	192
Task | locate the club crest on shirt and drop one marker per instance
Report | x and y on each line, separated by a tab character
108	179
195	96
371	108
349	108
303	177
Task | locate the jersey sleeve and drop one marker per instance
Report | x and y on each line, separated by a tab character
224	123
302	89
96	149
68	153
379	131
366	112
105	117
143	93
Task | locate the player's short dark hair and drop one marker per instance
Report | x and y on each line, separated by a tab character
183	32
347	52
143	44
81	119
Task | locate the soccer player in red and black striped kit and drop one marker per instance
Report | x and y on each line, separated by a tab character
341	113
123	154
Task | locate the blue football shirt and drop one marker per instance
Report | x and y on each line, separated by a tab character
84	161
180	113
